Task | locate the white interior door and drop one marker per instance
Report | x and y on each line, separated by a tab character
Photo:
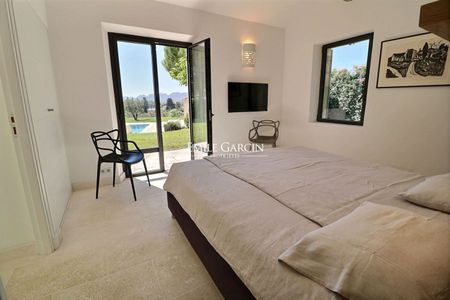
39	83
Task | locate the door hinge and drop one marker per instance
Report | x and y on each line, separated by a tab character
12	122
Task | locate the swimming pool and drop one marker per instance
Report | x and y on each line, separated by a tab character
138	128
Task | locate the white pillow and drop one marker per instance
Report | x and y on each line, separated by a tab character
433	193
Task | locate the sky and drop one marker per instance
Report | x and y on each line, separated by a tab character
137	77
349	55
135	62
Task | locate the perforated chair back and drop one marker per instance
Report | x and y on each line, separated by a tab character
108	147
105	142
264	132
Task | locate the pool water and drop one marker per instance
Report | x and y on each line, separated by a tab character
137	128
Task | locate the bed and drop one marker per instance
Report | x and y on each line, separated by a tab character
241	214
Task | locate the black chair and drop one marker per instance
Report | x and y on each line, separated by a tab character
255	136
109	151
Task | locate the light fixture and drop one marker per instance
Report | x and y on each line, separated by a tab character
248	55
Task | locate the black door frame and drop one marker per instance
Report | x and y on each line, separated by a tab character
113	38
209	116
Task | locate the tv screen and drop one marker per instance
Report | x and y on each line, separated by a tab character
244	96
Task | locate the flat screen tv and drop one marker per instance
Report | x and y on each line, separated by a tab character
245	96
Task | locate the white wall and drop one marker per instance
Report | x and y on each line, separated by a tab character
404	127
15	224
78	52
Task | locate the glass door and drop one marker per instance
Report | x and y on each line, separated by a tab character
174	98
135	77
199	66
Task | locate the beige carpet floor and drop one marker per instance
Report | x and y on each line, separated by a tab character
115	248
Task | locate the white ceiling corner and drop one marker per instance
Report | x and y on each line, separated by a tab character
270	12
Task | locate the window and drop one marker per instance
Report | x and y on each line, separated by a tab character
344	79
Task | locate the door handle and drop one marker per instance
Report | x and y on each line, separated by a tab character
50	109
211	115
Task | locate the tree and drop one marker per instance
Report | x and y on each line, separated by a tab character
146	105
170	104
134	107
175	63
425	50
346	91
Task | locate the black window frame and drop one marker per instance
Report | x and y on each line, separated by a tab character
368	36
113	39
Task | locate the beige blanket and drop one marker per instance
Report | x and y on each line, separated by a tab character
320	186
250	229
378	252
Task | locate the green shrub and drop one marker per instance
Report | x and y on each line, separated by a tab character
175	113
186	120
171	126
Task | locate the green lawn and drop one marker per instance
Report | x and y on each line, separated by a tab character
149	119
173	140
200	132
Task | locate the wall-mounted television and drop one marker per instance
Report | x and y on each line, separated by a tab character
245	96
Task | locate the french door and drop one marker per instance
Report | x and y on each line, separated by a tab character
134	64
141	108
199	69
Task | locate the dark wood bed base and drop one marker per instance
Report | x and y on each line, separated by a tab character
229	284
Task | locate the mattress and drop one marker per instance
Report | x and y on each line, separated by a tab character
251	209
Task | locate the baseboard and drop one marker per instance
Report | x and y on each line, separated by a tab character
7	258
2	290
28	246
105	180
122	176
57	237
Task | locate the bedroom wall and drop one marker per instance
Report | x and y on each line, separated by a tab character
404	127
78	54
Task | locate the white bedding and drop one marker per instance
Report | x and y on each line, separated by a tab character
327	183
250	229
378	252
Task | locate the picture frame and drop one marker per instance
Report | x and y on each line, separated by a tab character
419	60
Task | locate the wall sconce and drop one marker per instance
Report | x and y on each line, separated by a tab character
248	55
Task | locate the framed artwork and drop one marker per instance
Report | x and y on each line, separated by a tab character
414	61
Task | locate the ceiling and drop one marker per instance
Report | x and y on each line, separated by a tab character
270	12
